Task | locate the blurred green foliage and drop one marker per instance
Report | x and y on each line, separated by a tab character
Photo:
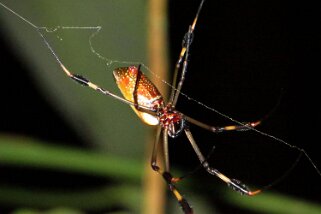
31	153
122	38
116	136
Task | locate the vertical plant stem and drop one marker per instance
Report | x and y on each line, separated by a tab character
155	189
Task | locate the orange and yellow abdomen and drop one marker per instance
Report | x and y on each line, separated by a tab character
145	91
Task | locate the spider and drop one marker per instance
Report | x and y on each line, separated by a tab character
149	105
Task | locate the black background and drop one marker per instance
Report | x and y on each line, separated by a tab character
245	56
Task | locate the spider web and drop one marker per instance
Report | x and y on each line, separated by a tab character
97	29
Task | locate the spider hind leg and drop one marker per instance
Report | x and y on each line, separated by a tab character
167	176
235	184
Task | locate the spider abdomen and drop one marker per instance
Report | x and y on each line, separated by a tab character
136	87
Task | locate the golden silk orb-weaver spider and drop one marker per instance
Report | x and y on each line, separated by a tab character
149	105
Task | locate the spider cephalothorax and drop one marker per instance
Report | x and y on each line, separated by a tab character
171	120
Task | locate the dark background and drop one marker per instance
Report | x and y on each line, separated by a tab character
245	56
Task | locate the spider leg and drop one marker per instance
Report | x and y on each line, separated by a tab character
185	51
216	129
233	183
85	82
165	173
180	178
241	126
165	148
183	58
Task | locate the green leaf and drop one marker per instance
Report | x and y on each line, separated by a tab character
94	199
52	211
25	152
33	153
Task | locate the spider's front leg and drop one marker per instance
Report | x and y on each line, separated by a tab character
86	82
170	180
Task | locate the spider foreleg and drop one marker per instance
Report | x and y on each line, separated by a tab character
186	42
85	82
